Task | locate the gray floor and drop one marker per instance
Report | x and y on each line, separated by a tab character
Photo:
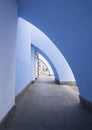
48	106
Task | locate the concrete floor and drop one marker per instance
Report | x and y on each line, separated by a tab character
48	106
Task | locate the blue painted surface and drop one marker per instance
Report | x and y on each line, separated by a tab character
23	76
68	23
8	30
50	62
58	62
23	56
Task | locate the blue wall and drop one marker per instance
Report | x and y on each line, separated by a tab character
8	30
68	23
57	61
23	56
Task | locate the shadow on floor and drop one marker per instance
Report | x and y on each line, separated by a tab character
49	106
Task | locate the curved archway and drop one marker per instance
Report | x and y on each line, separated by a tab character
49	61
44	61
47	48
32	35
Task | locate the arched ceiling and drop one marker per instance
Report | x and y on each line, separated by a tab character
68	23
65	22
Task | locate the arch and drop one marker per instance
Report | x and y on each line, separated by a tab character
47	48
43	59
45	65
49	61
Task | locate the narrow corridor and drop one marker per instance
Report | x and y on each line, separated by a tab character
48	106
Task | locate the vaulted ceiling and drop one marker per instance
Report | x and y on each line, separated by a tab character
68	23
64	21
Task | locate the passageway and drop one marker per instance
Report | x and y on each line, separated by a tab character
49	106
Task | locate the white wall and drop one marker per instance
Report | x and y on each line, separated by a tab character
8	26
23	56
33	63
36	66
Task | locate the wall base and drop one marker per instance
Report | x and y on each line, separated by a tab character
10	114
51	75
33	81
3	123
70	83
85	103
22	92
